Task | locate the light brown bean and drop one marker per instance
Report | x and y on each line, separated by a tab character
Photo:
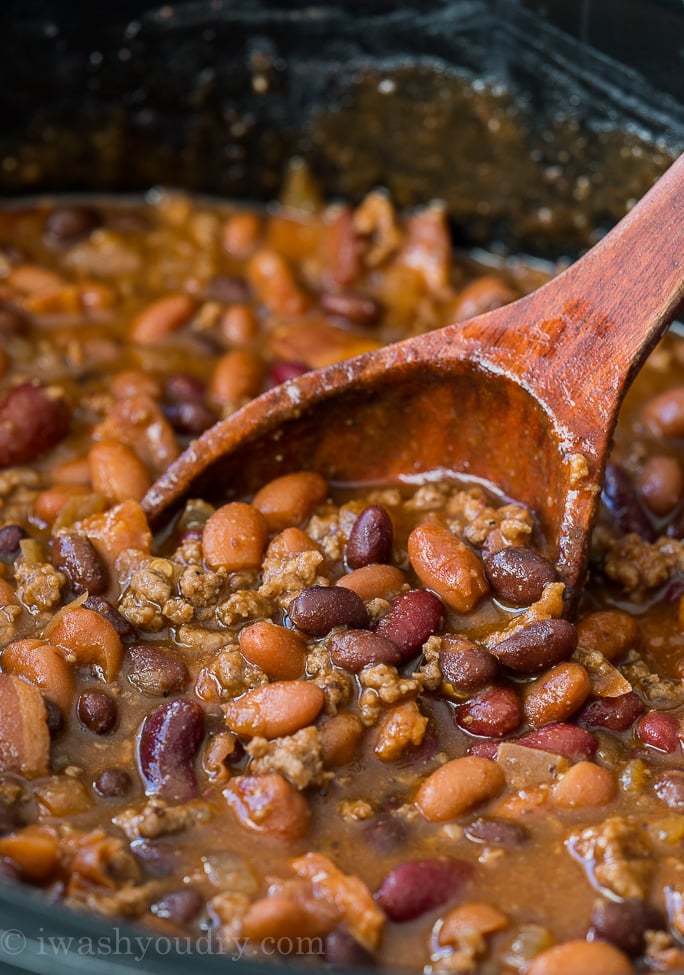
556	694
374	581
340	737
133	382
444	563
661	483
117	472
161	318
138	422
282	916
72	472
663	415
34	851
8	596
458	786
238	325
291	541
289	500
234	537
24	735
269	805
240	234
472	918
584	786
89	640
279	652
274	284
278	709
50	502
237	377
610	631
44	666
573	957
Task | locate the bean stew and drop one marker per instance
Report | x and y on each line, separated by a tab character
349	717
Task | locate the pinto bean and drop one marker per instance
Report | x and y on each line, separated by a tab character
412	618
610	631
269	805
374	581
75	555
33	418
491	713
458	786
444	563
290	542
584	786
466	666
117	472
291	499
661	484
133	382
663	415
371	538
614	713
275	710
518	575
319	609
279	652
340	737
24	735
355	649
161	318
237	377
624	923
416	886
240	234
238	325
89	640
169	741
155	671
50	502
557	694
274	284
234	537
471	919
42	665
661	731
280	916
97	711
537	646
572	957
561	739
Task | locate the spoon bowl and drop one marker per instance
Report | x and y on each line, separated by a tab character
524	398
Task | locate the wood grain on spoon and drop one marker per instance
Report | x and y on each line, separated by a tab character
525	397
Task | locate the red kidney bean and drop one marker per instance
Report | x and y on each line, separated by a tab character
497	832
466	666
491	713
179	906
416	886
10	538
12	321
319	609
155	671
614	713
191	419
355	649
412	618
228	289
97	711
112	783
561	739
619	497
625	923
169	740
341	951
102	606
371	538
75	555
280	372
660	731
359	309
182	388
68	224
668	785
31	421
537	647
518	575
485	749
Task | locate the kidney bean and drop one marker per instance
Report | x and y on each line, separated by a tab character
556	694
275	710
412	618
10	538
179	906
354	307
169	740
12	321
584	786
497	832
561	739
340	950
574	957
444	563
355	649
319	609
189	418
183	388
290	500
234	537
537	646
385	833
74	554
610	631
660	731
97	711
373	581
99	605
270	805
518	575
371	538
33	418
279	652
621	501
661	484
466	666
625	923
458	786
112	783
663	415
416	886
491	713
614	713
155	671
668	785
281	371
229	289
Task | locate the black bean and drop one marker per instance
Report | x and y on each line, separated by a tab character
537	646
97	711
229	289
319	609
340	950
10	537
169	741
155	671
355	649
160	858
75	555
102	606
69	224
412	618
625	923
354	307
619	497
191	419
112	783
179	906
371	538
466	666
518	575
497	832
668	785
55	718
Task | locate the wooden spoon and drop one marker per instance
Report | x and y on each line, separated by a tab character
525	397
